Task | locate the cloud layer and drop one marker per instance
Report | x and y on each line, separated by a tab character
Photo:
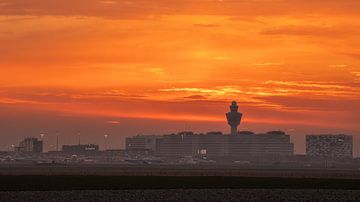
292	64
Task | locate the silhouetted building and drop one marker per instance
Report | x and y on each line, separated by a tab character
332	146
234	118
216	144
30	145
270	143
246	144
79	149
181	144
141	142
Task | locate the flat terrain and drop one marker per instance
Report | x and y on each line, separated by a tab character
96	182
177	170
276	195
175	183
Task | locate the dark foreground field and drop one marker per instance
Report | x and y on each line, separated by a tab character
178	170
175	188
83	182
276	195
152	183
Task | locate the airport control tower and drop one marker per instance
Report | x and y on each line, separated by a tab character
234	117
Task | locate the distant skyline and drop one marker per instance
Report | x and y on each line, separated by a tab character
141	67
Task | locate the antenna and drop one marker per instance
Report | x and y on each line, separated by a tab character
357	145
79	138
106	137
57	142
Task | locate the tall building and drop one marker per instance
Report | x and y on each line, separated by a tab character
31	145
331	146
233	118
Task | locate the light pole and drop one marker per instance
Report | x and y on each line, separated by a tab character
106	137
79	135
57	142
51	147
42	139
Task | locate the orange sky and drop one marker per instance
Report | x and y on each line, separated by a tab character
291	64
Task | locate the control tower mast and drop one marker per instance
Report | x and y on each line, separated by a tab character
234	117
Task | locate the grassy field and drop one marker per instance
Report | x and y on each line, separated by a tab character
56	182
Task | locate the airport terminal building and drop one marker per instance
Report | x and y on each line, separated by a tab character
329	146
80	149
216	144
141	142
30	144
245	144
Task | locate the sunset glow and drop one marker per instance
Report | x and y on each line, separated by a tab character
291	63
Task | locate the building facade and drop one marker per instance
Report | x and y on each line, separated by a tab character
80	149
330	146
141	142
264	144
245	144
31	145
